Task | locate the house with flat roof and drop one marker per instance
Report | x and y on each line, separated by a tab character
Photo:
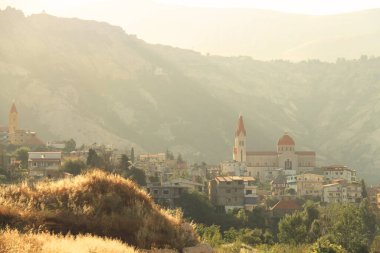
44	164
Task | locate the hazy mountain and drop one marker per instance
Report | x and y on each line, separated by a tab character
93	82
264	35
261	34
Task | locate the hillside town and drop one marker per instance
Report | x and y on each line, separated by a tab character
247	180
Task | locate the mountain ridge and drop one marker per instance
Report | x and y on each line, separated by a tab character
92	82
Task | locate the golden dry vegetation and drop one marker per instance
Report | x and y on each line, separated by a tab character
95	203
12	241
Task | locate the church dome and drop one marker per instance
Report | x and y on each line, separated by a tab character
286	140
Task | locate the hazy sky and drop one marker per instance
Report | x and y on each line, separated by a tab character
315	7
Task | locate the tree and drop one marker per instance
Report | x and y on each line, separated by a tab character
311	213
132	155
364	189
292	229
323	245
124	164
70	145
74	167
211	235
169	155
137	175
231	235
251	236
93	160
179	159
23	156
350	227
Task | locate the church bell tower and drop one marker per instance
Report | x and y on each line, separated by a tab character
239	150
13	120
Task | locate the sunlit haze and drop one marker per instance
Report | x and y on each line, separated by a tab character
95	7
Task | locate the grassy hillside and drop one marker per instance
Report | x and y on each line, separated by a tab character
93	82
95	203
12	241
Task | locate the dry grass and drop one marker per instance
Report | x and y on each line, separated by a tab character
96	203
12	241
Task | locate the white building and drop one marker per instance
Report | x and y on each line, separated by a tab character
41	163
233	168
309	184
160	157
339	172
342	192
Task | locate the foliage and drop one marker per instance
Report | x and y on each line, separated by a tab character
292	229
12	241
123	166
364	189
137	175
284	248
349	226
197	207
323	245
93	159
98	203
132	155
210	235
74	167
22	155
70	145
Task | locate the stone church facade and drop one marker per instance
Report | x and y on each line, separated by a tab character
266	165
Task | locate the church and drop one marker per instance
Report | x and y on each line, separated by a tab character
17	136
265	165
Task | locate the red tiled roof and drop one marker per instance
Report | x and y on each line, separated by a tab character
287	205
13	108
286	140
240	127
34	141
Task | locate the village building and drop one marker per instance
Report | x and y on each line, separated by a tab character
339	172
229	193
372	192
309	184
17	136
284	207
233	168
264	164
165	195
185	183
279	185
44	164
342	192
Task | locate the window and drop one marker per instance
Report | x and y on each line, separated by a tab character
166	192
228	190
248	192
155	191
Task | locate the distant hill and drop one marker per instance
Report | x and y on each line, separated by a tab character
91	81
261	34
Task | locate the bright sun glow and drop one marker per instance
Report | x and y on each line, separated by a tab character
320	7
